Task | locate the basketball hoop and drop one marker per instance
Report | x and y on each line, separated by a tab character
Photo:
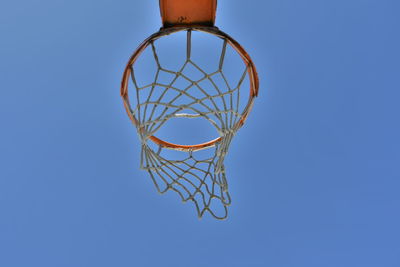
199	180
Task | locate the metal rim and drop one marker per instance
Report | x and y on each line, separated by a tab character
253	77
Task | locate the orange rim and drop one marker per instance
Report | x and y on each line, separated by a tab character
253	77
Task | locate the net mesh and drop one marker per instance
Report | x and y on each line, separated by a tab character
197	178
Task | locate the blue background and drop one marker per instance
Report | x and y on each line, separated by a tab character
314	175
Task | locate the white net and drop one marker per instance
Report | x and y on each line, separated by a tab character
196	176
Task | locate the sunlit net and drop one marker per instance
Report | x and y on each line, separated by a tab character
197	178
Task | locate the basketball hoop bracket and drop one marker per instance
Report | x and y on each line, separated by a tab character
176	13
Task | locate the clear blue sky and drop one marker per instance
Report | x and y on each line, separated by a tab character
314	175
